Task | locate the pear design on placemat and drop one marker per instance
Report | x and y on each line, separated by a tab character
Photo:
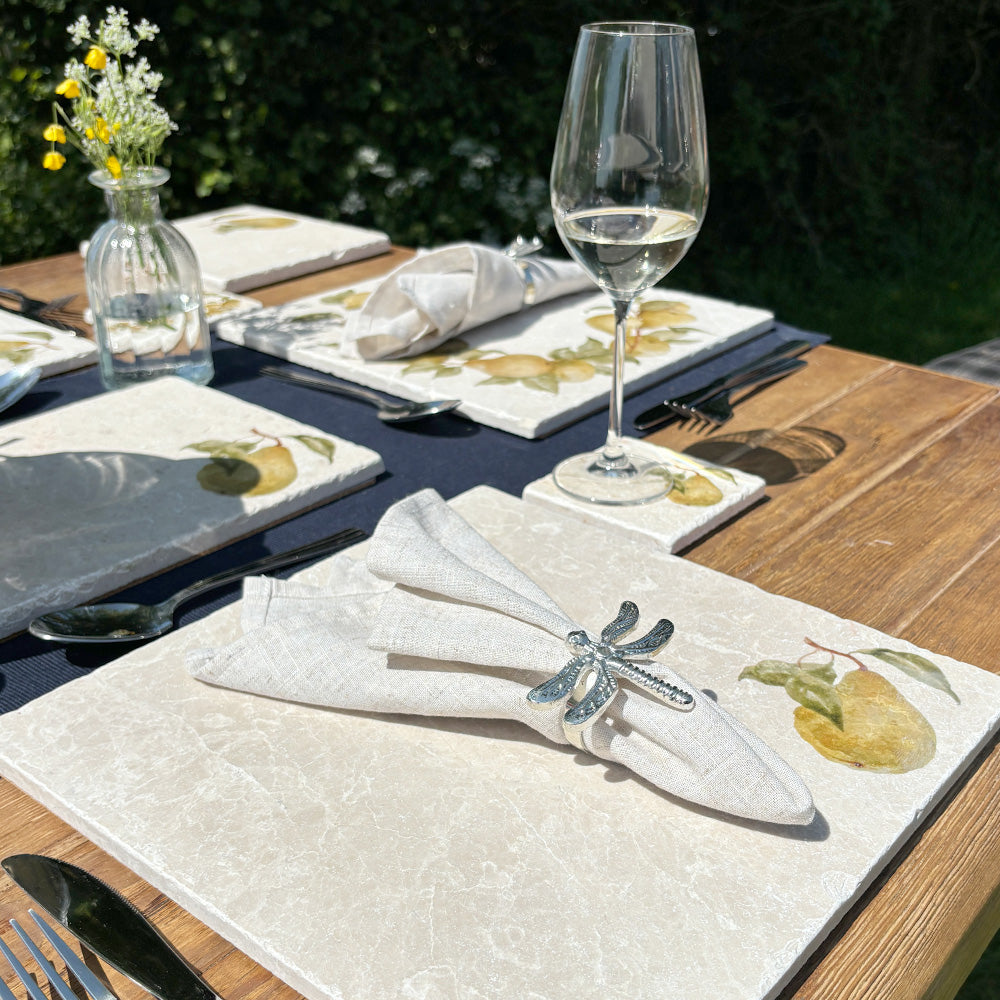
262	464
862	720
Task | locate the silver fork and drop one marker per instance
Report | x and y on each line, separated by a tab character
53	313
94	987
714	408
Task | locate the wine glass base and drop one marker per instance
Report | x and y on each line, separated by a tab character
620	482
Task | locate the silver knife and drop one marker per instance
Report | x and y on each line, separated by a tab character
110	926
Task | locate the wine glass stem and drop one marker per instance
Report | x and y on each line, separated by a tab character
614	453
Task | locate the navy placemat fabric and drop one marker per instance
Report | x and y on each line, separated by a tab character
446	452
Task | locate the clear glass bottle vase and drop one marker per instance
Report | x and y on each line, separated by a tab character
144	286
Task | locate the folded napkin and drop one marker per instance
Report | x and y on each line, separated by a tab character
439	623
445	292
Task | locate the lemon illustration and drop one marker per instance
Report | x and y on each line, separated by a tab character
882	731
513	366
573	371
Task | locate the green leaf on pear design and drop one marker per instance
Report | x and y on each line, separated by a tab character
224	449
322	446
817	694
774	672
916	666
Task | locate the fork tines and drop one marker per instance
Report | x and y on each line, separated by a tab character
75	965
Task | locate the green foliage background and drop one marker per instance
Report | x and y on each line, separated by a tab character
854	143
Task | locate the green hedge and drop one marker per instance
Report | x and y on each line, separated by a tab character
843	134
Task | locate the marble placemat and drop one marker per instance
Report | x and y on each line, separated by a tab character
704	496
106	491
248	246
358	855
25	341
530	373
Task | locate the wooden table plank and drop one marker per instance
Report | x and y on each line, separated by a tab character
903	539
852	418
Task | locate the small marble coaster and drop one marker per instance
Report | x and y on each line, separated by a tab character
100	493
248	246
25	341
704	497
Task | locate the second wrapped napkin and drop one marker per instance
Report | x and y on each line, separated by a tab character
445	292
440	623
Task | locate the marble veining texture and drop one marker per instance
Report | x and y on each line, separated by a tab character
309	332
105	491
664	522
369	857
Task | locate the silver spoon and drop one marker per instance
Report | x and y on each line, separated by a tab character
389	412
15	383
121	622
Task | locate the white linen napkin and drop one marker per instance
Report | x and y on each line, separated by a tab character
443	293
439	623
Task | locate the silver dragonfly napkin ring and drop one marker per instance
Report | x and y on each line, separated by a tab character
604	661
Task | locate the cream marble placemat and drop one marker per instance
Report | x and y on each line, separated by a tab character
248	246
99	493
377	857
25	341
530	373
704	497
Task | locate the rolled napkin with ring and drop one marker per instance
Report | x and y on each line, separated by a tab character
445	292
440	623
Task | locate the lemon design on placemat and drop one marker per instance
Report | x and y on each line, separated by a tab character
862	720
652	328
263	464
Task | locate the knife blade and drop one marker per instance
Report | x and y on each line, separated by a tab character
662	412
110	926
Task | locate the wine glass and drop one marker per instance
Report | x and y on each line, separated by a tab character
629	189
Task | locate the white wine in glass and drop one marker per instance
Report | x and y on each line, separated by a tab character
629	190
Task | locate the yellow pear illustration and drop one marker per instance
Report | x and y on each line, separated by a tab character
881	732
695	491
266	470
245	468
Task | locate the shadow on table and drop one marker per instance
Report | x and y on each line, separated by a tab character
775	456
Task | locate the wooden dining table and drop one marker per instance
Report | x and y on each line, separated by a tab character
882	506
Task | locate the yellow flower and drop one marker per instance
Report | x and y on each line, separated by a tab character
116	128
113	166
95	58
68	88
53	160
88	132
54	133
102	130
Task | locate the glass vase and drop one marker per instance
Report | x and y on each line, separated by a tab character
144	286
